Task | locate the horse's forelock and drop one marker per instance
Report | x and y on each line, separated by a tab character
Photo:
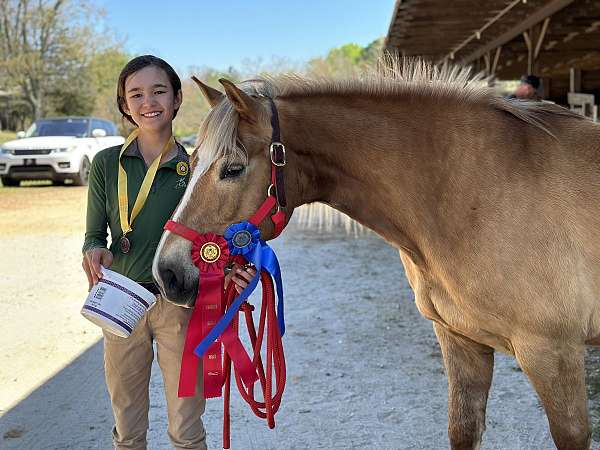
218	136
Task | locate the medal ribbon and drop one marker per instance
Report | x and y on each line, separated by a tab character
145	187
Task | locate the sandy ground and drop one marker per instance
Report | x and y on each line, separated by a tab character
364	369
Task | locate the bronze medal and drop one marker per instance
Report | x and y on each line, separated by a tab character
125	244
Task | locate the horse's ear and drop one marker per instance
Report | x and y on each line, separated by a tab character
245	105
211	95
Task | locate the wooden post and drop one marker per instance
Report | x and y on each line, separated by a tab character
574	80
545	87
534	37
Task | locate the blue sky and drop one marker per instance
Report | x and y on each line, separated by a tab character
223	34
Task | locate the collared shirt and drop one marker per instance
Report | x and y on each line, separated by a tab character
103	206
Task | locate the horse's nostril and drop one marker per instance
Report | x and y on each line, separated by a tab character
170	281
173	285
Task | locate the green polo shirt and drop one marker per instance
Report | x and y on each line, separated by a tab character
103	207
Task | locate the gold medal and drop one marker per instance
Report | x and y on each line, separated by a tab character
210	252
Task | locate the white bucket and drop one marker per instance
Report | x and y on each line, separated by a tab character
117	303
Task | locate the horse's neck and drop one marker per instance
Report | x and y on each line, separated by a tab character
376	160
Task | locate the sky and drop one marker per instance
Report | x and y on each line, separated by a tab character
230	32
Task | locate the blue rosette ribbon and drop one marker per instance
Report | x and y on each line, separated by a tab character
243	239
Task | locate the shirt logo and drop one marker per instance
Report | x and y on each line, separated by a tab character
182	168
180	183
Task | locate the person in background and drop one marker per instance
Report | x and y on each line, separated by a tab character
527	88
149	96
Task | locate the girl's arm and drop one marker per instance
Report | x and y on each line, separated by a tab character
95	252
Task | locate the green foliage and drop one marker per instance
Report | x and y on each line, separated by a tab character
339	61
40	51
194	107
349	52
103	71
7	136
346	59
53	56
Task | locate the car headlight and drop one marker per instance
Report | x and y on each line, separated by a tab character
5	151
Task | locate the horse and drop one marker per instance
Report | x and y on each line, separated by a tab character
493	204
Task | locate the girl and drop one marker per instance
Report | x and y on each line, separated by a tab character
133	190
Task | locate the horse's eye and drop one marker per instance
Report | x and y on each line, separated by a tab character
231	171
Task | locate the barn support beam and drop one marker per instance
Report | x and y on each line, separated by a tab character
533	19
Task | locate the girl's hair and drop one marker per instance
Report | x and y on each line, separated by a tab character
137	64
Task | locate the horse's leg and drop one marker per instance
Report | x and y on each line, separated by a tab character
557	373
469	367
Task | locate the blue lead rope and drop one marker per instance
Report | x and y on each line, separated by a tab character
271	264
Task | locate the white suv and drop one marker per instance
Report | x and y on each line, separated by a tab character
56	149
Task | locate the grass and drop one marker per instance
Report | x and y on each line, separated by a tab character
7	136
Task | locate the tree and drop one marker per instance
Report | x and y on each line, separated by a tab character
103	73
44	51
346	59
339	61
194	107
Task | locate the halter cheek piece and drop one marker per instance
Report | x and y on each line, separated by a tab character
214	320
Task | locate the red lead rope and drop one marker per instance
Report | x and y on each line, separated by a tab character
275	359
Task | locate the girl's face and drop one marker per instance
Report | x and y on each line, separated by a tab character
149	98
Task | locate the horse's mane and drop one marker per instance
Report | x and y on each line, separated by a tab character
392	76
389	77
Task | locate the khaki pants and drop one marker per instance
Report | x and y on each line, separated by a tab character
127	363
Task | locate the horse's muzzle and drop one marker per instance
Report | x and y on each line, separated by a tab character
175	286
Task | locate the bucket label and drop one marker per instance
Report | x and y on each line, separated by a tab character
117	303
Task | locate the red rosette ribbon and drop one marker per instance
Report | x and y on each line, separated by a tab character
210	254
202	253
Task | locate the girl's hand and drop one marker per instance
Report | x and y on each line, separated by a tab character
92	260
241	276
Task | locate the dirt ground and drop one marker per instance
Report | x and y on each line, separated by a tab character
364	369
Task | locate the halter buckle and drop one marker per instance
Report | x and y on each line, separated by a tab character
277	151
272	192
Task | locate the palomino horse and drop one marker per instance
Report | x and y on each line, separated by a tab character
494	205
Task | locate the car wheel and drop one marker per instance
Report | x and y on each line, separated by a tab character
81	179
8	181
59	182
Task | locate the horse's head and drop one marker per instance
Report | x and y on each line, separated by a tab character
230	179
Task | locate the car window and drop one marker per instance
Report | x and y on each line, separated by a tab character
98	124
111	129
59	127
104	125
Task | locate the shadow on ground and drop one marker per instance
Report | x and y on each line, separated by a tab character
57	415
